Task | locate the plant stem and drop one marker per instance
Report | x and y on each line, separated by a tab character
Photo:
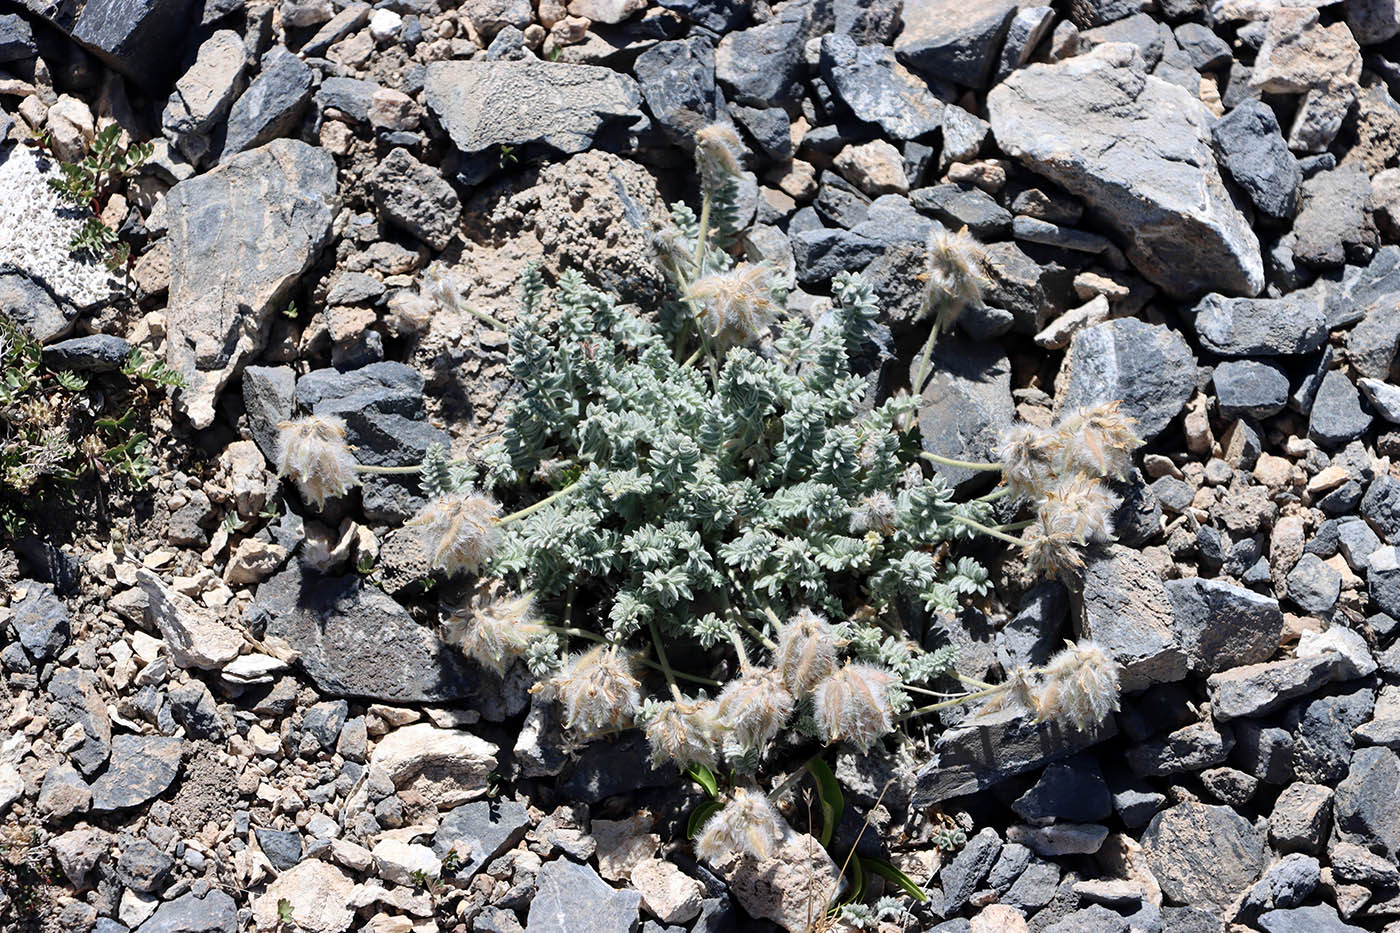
988	530
532	509
999	493
665	664
791	780
486	319
690	360
648	662
758	636
704	234
963	464
979	684
739	647
920	372
956	701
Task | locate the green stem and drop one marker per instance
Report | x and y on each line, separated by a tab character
532	509
411	468
988	530
744	665
963	464
999	493
979	684
665	664
486	319
704	234
690	360
1017	526
758	636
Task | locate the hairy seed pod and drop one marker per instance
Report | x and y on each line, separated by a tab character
1051	553
755	707
684	733
875	512
598	691
853	705
1017	693
1027	455
748	824
717	154
312	451
956	270
735	308
806	651
462	530
1080	686
1098	440
1081	508
495	630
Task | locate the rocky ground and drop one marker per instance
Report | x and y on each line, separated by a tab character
217	703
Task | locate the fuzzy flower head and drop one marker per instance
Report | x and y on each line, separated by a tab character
806	651
684	733
738	307
875	512
853	704
461	529
748	824
717	154
1080	686
755	707
957	273
1080	507
1051	553
598	691
313	452
1017	693
1099	441
495	629
1028	455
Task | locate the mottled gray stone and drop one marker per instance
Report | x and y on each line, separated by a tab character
1252	327
1139	151
213	913
1250	389
40	620
1203	854
953	40
1313	585
878	89
1220	625
1253	151
32	307
271	106
1148	367
416	198
678	82
1337	415
140	769
1125	608
966	405
487	829
763	65
357	642
570	897
1366	806
240	238
267	399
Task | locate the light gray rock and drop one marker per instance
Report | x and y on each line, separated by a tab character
74	700
1338	415
267	398
240	238
1255	689
485	829
40	619
1203	855
1250	389
1125	608
1148	367
215	912
32	307
203	94
678	81
571	897
878	89
1139	151
553	107
1366	807
1250	327
763	65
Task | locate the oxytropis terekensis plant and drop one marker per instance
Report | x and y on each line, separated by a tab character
726	533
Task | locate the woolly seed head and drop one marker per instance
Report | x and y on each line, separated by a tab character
1081	508
462	530
875	512
755	707
684	733
1018	693
748	824
1051	553
597	690
956	269
806	651
1080	686
854	704
313	452
717	154
736	307
1027	454
1098	440
495	630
